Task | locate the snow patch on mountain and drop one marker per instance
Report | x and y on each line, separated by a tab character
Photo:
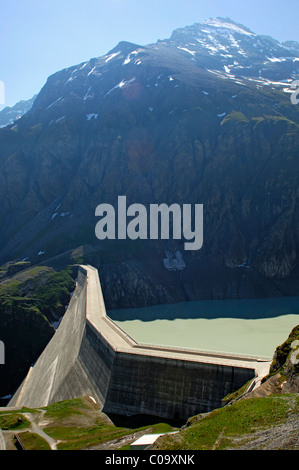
111	56
220	23
121	85
54	102
90	116
130	56
174	261
187	50
88	94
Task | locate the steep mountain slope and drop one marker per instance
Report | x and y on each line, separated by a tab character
202	118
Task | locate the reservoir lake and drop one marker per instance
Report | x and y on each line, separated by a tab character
253	326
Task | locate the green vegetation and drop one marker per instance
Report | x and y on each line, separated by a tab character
218	429
236	394
280	361
11	268
74	438
235	116
79	424
33	441
66	408
21	410
39	288
54	294
13	421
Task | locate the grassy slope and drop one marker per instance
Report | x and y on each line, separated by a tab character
79	424
231	426
76	424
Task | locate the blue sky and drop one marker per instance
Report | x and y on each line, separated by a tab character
40	37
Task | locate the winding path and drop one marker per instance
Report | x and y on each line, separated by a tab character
36	428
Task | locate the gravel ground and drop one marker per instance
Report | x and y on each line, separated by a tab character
281	437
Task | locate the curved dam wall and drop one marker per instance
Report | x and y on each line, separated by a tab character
90	355
50	376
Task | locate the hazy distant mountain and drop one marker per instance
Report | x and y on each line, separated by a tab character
11	114
202	117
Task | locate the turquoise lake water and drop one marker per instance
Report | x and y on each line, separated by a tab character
254	326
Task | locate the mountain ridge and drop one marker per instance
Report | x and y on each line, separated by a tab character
10	114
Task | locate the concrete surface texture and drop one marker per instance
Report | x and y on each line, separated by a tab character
2	441
90	355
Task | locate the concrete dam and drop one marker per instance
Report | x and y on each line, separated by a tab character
91	355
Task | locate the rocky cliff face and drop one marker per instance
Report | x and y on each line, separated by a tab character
283	375
286	363
202	118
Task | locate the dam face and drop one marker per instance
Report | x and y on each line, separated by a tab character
90	355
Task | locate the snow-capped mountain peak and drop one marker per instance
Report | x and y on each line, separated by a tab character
235	52
227	23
